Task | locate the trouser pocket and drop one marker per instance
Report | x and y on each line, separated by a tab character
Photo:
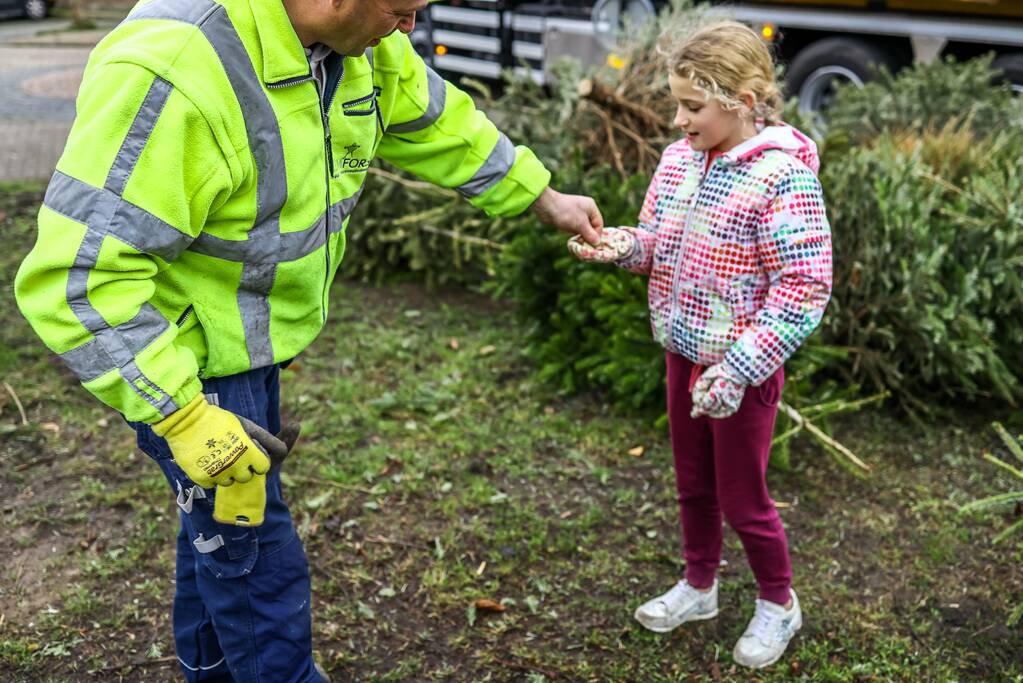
227	551
769	392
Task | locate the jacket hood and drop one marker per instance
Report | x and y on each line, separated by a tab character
778	136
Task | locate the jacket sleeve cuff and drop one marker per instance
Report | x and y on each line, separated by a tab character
525	182
188	393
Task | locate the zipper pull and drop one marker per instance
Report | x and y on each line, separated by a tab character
330	155
327	141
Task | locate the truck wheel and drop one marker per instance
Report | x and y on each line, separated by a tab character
819	67
1011	67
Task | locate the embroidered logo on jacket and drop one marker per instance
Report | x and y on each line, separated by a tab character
351	162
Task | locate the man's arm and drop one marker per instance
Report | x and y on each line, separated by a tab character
133	188
572	213
434	130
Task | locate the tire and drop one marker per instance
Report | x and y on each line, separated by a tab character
36	9
817	68
1011	66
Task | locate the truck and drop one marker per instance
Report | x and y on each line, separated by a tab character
822	43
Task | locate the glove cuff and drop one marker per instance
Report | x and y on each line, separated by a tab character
731	373
182	417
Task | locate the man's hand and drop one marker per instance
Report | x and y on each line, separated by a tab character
717	393
244	504
214	446
570	213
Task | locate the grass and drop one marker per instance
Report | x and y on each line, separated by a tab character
434	471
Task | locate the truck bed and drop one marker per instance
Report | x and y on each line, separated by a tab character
973	8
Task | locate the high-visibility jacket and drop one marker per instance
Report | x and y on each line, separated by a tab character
197	216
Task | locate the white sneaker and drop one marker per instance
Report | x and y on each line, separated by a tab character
681	604
768	633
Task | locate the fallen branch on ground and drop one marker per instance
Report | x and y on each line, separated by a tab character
830	444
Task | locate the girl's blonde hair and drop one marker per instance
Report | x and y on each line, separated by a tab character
722	59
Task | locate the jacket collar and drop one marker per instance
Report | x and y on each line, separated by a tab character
283	55
779	136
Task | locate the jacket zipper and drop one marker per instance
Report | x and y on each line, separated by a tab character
325	119
677	284
328	164
325	115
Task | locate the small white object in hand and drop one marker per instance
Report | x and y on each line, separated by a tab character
615	244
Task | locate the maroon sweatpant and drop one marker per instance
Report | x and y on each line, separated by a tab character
720	468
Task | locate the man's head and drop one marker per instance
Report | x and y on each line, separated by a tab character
350	26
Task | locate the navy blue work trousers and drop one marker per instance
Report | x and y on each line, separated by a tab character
241	604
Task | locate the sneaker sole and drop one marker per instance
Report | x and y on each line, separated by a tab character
672	625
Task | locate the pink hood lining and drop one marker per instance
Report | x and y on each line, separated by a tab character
778	136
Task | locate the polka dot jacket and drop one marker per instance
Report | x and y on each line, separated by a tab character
738	252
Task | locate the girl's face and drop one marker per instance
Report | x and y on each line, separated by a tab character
708	125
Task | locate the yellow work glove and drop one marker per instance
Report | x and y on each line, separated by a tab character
216	447
242	504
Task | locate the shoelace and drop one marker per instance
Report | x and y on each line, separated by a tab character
676	595
763	622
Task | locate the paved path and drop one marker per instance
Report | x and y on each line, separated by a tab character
13	30
40	72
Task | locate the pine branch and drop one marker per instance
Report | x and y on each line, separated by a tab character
1001	500
1010	442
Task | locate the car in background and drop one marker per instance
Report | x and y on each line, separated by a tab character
33	9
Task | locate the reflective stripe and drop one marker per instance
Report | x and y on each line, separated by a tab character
143	231
156	397
254	304
208	545
343	209
188	11
114	347
202	668
264	138
291	246
138	135
261	127
434	108
91	359
130	224
493	170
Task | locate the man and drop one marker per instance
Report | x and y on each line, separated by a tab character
186	247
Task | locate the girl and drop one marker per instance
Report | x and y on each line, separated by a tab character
734	237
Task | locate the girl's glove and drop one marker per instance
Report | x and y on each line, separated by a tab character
615	244
717	393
